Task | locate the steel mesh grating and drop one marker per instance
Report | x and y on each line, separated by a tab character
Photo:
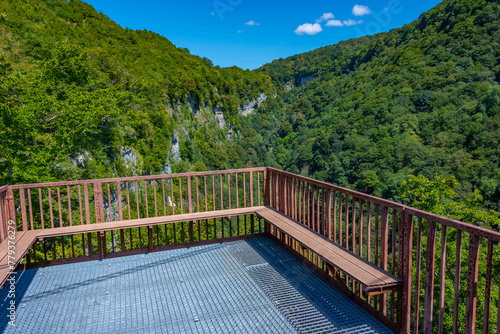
310	303
252	286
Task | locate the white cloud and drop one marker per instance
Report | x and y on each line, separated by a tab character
325	17
334	23
360	10
309	29
351	22
252	23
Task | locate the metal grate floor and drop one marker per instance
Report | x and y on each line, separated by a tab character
252	286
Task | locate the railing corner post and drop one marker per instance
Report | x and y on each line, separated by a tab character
267	187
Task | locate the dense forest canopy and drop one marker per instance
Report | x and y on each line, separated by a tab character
78	92
411	115
422	99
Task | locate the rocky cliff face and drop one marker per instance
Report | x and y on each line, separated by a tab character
248	108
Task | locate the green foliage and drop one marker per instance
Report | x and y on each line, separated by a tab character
78	93
439	196
422	99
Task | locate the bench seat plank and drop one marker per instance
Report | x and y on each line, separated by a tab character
22	243
366	273
77	229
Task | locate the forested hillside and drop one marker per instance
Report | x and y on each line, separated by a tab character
82	97
422	99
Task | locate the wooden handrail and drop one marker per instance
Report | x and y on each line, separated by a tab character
134	178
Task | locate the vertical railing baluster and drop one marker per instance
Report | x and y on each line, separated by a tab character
458	265
213	196
110	212
87	216
197	196
353	225
259	186
164	200
368	231
154	199
70	221
238	190
190	208
59	206
489	266
244	190
120	213
429	277
41	207
221	196
334	223
206	196
172	199
405	298
30	205
418	265
229	191
49	193
341	233
24	216
472	279
146	197
383	250
250	180
347	221
442	280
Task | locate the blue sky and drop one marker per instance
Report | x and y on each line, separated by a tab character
249	33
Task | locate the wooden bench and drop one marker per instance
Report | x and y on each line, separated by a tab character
25	239
373	279
18	246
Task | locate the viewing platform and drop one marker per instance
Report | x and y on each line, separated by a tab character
254	250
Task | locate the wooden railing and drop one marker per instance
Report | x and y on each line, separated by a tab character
59	204
451	270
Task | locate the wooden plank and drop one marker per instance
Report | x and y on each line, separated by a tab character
458	264
258	187
429	277
442	282
135	178
416	320
24	215
405	297
41	207
250	180
384	242
107	226
487	301
366	273
472	279
30	210
206	196
22	243
50	208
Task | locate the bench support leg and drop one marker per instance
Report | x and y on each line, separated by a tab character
150	239
101	244
191	231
